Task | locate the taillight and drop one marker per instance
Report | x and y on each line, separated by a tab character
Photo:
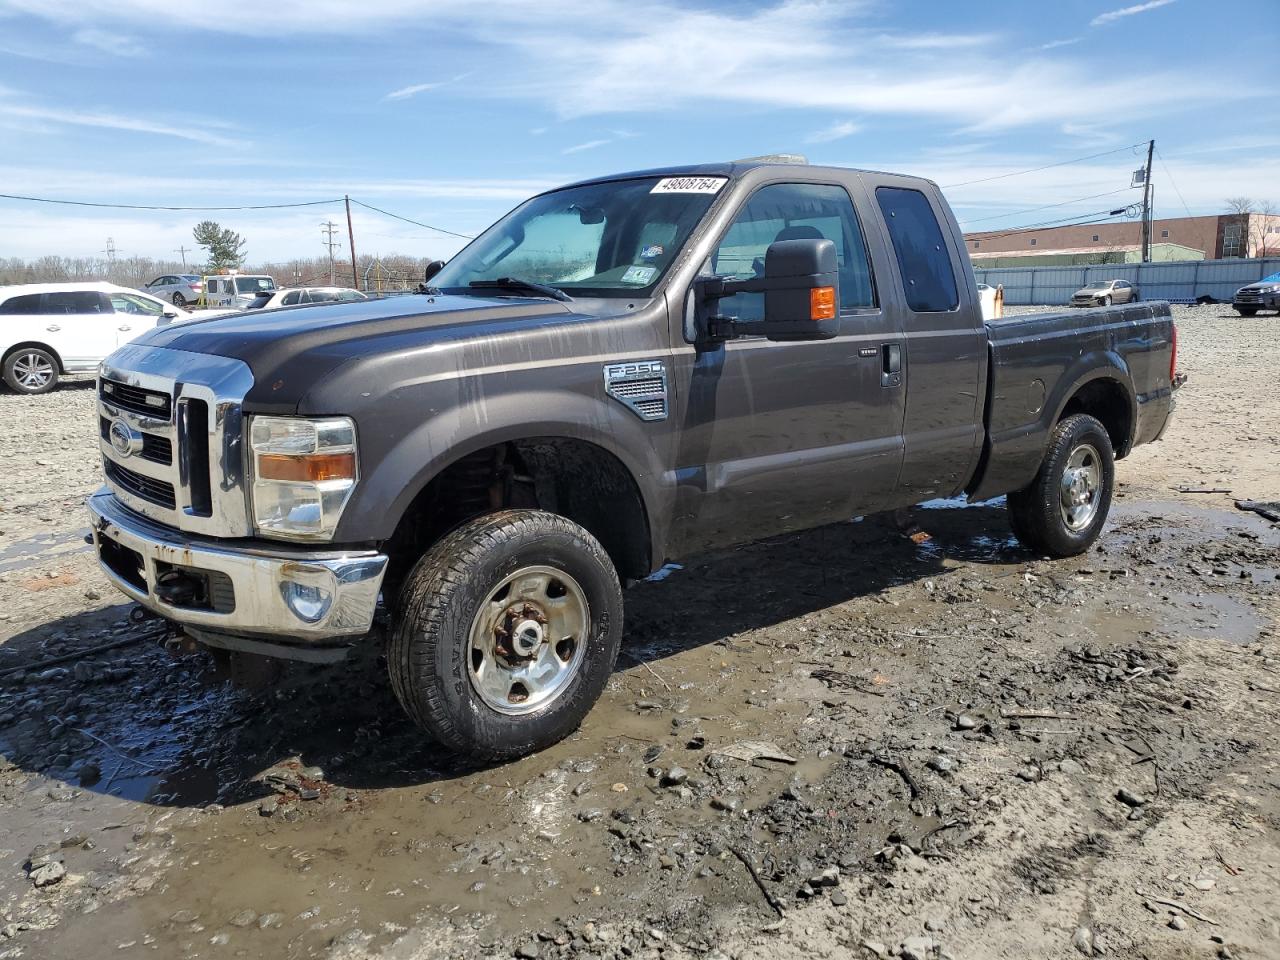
1173	355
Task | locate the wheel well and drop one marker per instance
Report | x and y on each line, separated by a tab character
573	478
27	345
1106	401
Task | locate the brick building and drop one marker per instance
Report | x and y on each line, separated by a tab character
1176	238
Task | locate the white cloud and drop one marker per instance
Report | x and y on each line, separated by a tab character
60	116
1112	15
614	137
1055	44
116	44
836	131
589	145
589	59
405	92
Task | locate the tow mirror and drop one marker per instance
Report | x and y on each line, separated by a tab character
801	287
434	267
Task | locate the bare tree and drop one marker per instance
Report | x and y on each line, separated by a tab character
1261	220
1239	204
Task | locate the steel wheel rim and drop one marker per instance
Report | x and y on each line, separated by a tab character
33	371
1081	489
527	640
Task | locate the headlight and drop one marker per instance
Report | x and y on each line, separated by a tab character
1271	289
303	475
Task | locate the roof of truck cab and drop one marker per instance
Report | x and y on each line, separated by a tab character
732	168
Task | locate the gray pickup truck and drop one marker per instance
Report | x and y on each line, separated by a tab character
620	373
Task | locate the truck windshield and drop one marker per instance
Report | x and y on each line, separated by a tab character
613	239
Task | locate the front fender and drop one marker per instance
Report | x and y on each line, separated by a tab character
388	487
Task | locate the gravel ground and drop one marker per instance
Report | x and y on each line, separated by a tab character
836	744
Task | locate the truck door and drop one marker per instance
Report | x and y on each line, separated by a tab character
946	341
784	436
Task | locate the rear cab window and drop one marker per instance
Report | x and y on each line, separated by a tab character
928	277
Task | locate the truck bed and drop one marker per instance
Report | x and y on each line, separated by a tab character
1039	361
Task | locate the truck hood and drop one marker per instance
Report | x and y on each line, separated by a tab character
290	349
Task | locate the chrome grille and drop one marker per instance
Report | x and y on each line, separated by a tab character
178	418
148	488
151	403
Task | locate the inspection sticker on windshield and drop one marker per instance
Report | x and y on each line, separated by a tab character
689	185
639	275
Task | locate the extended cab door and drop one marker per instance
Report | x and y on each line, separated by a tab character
945	362
783	436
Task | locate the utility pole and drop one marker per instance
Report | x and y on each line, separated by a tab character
351	236
1146	205
329	228
183	250
111	250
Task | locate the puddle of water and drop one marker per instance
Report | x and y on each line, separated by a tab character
31	551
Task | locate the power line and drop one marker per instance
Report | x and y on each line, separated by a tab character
1172	182
416	223
136	206
1106	217
1060	163
1048	206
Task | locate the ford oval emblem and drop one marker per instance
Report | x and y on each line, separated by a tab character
124	439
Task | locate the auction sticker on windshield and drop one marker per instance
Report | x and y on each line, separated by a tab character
689	185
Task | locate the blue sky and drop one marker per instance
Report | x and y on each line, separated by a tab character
451	111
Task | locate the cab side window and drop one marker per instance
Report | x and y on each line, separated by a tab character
794	211
928	278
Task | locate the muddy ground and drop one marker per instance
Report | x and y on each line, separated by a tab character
837	744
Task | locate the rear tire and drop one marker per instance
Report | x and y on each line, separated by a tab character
179	300
507	633
31	370
1062	511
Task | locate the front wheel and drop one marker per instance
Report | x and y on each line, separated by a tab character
1247	311
31	370
1106	301
1062	512
506	633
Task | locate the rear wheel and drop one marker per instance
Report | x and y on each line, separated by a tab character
179	300
31	370
506	633
1062	512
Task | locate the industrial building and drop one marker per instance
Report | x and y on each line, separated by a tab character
1173	239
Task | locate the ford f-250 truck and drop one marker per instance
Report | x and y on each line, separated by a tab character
623	372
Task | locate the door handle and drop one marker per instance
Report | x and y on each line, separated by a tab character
53	328
125	327
891	365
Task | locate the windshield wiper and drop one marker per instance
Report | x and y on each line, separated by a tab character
515	283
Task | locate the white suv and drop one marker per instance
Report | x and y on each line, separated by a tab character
48	329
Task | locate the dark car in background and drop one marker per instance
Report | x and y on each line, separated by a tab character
1263	295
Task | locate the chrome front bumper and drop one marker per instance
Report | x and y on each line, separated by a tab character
247	586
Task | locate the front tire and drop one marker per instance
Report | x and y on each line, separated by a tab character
506	634
1247	311
31	370
1062	512
1106	301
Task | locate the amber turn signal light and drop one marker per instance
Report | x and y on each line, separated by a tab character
822	303
309	468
